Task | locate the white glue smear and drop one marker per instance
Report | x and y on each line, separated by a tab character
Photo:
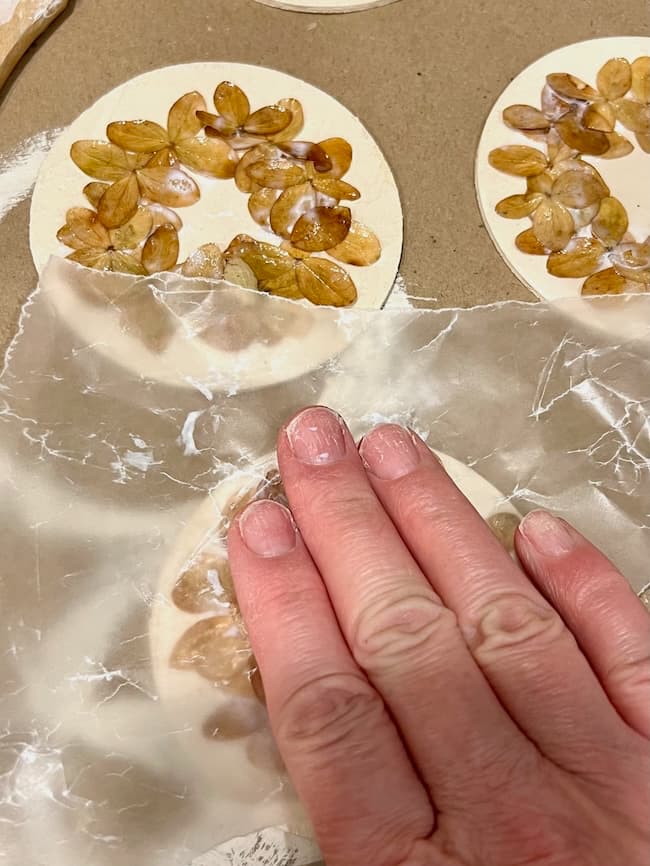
399	297
7	8
19	169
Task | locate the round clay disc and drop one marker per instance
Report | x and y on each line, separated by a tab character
326	7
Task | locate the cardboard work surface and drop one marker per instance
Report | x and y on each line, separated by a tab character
422	76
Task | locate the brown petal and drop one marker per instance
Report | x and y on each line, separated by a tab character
600	116
643	140
206	262
210	156
577	189
611	222
261	202
336	189
324	283
94	191
553	225
290	206
580	259
295	124
169	186
120	202
266	260
515	207
217	123
518	159
321	228
606	282
161	215
139	136
540	183
570	87
100	159
182	120
232	103
504	525
237	272
577	137
234	721
97	259
525	117
256	154
308	151
277	173
618	146
269	120
633	115
294	252
283	286
361	247
83	230
125	263
213	647
632	261
134	232
339	153
164	157
527	242
160	252
242	140
557	150
641	79
614	79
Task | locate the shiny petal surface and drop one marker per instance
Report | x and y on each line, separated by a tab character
552	105
336	189
577	137
83	230
518	159
361	247
515	207
97	259
205	585
270	120
101	160
256	154
120	202
571	87
94	191
525	117
134	232
633	115
182	120
553	225
289	207
614	78
641	79
207	262
277	173
606	282
339	153
171	186
139	136
611	222
125	263
260	204
160	252
309	152
577	189
643	140
580	259
618	146
296	122
210	156
232	103
166	156
267	262
237	272
527	242
321	228
161	215
600	116
632	261
324	283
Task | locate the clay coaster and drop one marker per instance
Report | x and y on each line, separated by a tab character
326	7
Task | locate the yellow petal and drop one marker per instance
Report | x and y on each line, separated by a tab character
210	156
125	263
83	230
643	140
290	206
120	202
255	154
307	151
232	103
641	79
237	272
618	146
614	79
321	228
577	189
171	186
94	191
527	242
160	252
518	159
260	204
339	153
525	117
134	232
540	183
100	159
606	282
324	283
553	225
206	262
294	252
139	136
164	157
161	215
267	262
578	138
570	87
336	189
295	124
515	207
361	247
580	259
99	260
611	222
269	120
633	115
600	116
277	173
284	286
182	120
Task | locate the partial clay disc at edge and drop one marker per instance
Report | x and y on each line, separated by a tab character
326	7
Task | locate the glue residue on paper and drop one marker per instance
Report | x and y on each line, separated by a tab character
20	167
7	9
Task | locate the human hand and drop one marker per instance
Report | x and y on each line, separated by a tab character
437	704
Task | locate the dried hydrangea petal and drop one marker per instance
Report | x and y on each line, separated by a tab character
525	117
215	648
339	153
207	262
234	721
611	221
573	134
552	106
164	157
600	116
94	191
269	120
643	140
571	87
170	186
125	263
83	229
261	202
553	225
97	259
518	159
321	228
309	152
289	207
614	78
120	202
138	136
160	252
632	261
618	146
528	242
504	526
295	124
182	120
580	259
324	283
641	79
232	103
237	272
633	115
201	587
134	232
161	215
336	189
266	261
210	156
583	216
277	173
361	247
260	152
100	160
606	282
515	207
577	189
283	286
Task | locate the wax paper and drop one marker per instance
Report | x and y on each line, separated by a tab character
126	403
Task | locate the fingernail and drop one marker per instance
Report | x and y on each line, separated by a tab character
316	436
389	452
548	535
268	529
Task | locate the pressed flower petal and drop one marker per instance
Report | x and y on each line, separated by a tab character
336	189
540	183
207	262
295	124
283	286
83	230
99	260
125	263
552	106
600	116
308	151
232	103
203	585
289	207
216	122
120	202
580	259
641	79
269	120
277	173
515	207
643	140
553	225
241	140
261	202
160	252
139	136
632	261
525	117
577	189
182	120
294	252
256	154
611	222
577	137
164	157
321	228
606	282
633	115
267	262
101	160
361	247
134	232
527	242
339	153
614	79
518	159
237	272
94	191
324	283
618	146
169	186
584	215
210	156
571	87
161	215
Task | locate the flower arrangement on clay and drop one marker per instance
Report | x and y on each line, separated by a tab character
577	222
145	172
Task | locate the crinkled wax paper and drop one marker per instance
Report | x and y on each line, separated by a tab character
126	401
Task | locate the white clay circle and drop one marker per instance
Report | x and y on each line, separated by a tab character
326	7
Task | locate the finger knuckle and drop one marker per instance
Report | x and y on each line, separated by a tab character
327	712
517	625
395	632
